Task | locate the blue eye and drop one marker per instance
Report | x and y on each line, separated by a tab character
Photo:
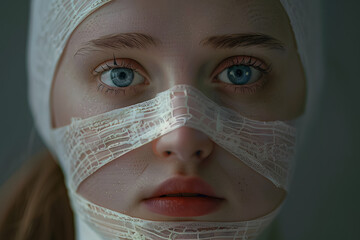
121	77
240	75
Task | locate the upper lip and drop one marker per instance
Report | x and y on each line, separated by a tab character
178	185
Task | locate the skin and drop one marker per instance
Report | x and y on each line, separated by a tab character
123	183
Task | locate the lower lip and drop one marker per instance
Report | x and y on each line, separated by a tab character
183	206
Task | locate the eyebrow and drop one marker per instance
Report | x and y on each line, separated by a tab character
229	41
144	41
119	41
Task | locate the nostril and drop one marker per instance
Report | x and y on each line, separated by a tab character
183	143
167	153
198	153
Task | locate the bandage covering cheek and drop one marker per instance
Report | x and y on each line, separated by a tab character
86	145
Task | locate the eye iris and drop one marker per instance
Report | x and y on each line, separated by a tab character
122	77
239	74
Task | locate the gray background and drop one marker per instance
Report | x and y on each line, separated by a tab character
324	201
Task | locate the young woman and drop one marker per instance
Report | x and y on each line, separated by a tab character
169	119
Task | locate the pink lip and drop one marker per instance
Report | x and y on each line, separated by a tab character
180	206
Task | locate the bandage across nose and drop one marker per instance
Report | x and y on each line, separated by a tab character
86	145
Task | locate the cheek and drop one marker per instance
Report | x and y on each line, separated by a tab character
294	89
62	97
75	94
256	194
116	185
285	99
66	96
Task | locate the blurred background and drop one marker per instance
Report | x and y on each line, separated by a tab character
324	198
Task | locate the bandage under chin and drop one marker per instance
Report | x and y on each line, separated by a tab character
86	145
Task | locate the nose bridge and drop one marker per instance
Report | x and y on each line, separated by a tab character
184	144
181	66
180	73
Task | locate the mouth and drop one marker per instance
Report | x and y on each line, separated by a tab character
183	197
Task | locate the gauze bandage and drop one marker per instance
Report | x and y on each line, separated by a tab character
87	144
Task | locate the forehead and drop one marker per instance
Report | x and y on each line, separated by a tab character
174	21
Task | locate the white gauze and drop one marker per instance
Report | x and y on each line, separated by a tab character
87	144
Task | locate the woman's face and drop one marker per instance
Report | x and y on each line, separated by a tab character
240	53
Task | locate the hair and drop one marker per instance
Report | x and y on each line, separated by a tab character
36	204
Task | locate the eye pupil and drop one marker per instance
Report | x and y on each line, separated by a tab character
122	77
239	74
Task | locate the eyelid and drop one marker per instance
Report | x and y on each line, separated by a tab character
231	61
241	60
120	63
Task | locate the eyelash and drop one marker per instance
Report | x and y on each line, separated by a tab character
229	62
119	63
246	61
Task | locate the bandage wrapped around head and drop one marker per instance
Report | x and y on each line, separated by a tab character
85	145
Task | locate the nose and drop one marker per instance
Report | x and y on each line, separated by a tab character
186	145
